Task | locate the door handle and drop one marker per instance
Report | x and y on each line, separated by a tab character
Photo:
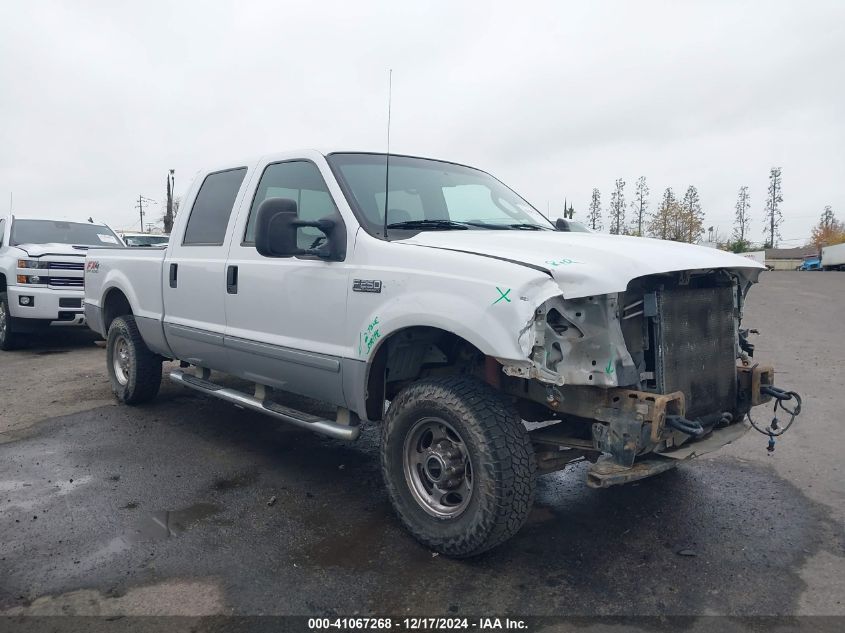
173	274
232	280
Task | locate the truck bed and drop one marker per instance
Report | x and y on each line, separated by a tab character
108	267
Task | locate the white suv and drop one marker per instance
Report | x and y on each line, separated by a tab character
42	265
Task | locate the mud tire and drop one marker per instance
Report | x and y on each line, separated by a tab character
9	338
141	379
501	458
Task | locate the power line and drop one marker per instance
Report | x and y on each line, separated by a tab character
140	207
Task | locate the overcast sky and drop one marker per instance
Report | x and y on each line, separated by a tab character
99	99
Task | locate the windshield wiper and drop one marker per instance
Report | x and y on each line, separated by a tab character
446	225
436	225
524	226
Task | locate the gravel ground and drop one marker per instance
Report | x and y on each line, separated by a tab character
164	509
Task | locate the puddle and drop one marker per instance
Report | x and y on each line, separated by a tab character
240	480
158	526
357	547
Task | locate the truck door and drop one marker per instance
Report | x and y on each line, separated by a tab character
286	316
194	288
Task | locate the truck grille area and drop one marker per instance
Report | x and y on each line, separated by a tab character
697	349
66	282
67	265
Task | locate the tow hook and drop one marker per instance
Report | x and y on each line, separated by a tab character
775	429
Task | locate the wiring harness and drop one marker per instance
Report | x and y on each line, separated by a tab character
775	429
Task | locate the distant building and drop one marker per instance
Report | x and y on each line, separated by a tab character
788	258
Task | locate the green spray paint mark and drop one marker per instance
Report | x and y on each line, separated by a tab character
562	262
369	336
609	369
503	294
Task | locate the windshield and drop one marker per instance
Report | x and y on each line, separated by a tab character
429	195
55	232
145	240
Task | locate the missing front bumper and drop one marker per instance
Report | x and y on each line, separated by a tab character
606	472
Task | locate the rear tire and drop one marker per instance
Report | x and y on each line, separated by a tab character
134	371
9	339
458	465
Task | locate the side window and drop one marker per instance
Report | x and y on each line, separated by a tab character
212	208
301	182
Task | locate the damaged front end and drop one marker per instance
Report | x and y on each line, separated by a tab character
640	379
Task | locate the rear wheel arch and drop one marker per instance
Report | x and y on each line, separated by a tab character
115	304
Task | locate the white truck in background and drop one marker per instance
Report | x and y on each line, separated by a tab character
42	263
453	321
833	257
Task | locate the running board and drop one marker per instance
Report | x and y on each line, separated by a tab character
304	420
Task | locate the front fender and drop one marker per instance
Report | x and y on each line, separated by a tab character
490	317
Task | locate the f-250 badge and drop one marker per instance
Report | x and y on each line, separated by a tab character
366	285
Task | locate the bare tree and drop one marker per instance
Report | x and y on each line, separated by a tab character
690	225
617	208
639	206
773	215
661	221
742	224
594	216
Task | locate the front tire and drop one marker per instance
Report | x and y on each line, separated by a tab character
458	465
134	371
9	339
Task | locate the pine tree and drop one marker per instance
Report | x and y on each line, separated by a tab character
639	206
691	220
742	224
661	221
773	214
594	216
617	208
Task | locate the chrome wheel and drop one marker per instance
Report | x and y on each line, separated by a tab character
437	468
120	360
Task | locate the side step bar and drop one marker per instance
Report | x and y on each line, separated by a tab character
306	421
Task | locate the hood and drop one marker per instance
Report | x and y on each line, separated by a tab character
38	250
586	264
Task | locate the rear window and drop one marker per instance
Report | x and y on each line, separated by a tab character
54	232
212	208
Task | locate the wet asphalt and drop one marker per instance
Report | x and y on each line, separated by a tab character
191	506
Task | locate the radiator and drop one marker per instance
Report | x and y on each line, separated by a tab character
697	349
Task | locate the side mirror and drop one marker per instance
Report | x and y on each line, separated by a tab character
277	229
563	225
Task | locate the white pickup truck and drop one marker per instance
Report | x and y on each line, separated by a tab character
491	344
41	273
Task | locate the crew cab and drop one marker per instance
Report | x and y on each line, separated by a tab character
41	273
491	344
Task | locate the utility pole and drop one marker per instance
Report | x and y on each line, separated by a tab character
140	206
